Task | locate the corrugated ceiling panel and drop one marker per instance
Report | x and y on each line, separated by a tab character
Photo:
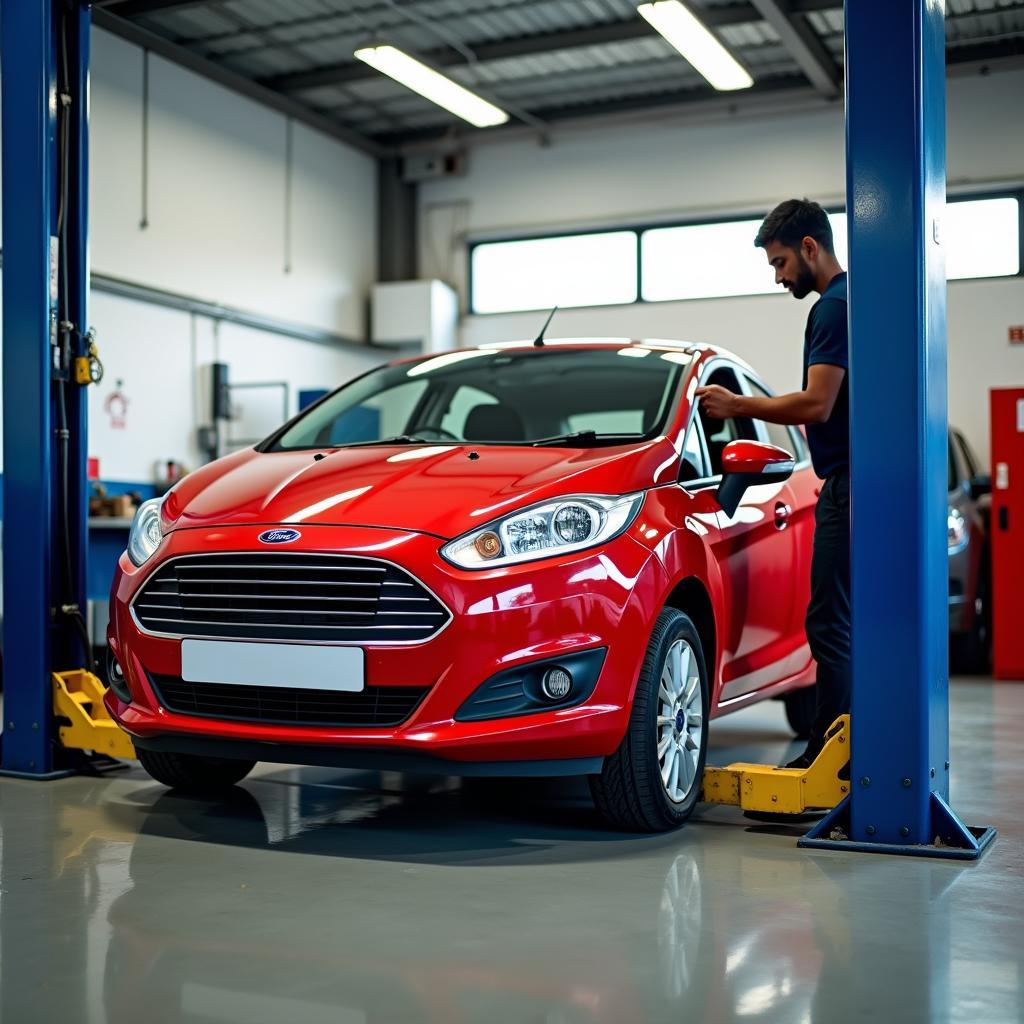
264	38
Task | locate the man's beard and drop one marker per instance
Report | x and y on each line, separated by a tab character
804	283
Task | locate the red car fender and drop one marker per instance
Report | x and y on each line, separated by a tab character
681	555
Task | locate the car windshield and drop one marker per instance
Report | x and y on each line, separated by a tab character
577	397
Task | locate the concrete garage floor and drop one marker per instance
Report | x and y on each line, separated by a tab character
322	896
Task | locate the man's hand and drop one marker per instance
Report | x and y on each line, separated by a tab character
718	403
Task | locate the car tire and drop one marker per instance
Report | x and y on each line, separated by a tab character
801	706
193	773
639	790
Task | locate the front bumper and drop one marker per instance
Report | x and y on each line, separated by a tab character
501	619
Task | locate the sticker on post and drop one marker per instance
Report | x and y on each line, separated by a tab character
1002	476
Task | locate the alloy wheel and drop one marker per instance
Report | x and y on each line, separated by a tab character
680	722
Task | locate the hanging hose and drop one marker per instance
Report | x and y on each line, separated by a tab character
69	608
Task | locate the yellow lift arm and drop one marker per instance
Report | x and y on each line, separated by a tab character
761	787
78	698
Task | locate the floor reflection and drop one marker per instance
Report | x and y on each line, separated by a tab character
313	895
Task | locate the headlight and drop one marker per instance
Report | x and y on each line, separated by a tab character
956	530
145	535
553	528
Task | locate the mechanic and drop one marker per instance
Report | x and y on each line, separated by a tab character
797	239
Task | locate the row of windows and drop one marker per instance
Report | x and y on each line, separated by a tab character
981	238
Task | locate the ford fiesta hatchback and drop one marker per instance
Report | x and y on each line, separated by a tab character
508	560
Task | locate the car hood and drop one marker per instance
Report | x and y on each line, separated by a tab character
440	489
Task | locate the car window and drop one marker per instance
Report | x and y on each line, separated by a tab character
693	465
491	396
381	415
463	401
787	438
968	456
718	433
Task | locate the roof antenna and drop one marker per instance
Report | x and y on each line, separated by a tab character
539	340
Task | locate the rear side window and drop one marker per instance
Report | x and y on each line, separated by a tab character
787	438
382	415
460	408
718	433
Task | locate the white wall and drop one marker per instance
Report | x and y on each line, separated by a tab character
216	231
155	357
216	197
675	170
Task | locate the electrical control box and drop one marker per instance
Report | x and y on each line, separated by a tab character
420	313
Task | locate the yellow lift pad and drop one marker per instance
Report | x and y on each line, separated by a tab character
78	698
762	787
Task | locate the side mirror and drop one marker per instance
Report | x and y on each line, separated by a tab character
746	464
980	485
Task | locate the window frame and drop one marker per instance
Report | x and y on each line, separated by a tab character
640	227
797	439
710	367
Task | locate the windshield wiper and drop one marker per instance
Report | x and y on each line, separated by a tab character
586	437
397	439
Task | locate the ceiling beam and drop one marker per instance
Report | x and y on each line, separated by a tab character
157	44
803	44
349	71
984	58
136	8
698	102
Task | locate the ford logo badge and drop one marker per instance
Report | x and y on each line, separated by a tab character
278	536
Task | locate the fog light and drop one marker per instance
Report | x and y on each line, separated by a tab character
116	679
556	683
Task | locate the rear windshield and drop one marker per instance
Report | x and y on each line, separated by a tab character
493	396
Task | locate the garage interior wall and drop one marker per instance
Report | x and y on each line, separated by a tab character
673	170
214	203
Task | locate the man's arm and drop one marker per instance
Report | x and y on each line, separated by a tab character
812	405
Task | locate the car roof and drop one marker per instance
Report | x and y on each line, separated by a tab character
700	352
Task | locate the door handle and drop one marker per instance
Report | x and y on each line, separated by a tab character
1004	518
782	514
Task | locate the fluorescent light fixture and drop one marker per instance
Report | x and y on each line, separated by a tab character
708	56
432	85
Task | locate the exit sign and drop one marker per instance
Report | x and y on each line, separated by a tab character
1017	335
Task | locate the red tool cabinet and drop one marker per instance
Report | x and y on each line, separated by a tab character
1007	408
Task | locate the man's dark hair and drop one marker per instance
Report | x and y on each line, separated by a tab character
793	221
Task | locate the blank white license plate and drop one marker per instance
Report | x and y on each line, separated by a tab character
299	666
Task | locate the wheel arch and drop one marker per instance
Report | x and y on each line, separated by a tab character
690	596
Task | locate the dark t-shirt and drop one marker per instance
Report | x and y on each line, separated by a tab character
826	341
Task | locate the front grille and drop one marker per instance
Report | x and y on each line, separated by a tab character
374	706
264	596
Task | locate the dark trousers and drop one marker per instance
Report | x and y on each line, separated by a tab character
828	614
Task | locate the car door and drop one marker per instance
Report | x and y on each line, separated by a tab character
755	551
800	496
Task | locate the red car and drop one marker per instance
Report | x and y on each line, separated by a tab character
517	559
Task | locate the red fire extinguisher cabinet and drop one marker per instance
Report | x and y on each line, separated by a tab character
1007	408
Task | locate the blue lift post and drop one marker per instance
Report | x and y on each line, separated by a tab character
895	153
37	635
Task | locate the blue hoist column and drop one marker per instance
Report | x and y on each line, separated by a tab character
44	67
895	155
